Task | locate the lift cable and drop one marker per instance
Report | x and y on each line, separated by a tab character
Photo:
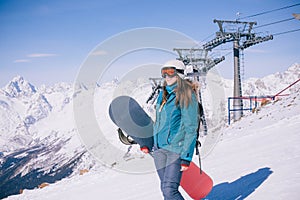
266	12
207	37
284	20
287	32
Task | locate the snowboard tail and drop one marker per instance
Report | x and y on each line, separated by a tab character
129	116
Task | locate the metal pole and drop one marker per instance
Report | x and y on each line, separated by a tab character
229	110
204	123
237	88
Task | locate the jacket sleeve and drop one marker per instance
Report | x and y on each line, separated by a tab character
190	124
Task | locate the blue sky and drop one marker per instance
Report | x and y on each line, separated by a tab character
47	41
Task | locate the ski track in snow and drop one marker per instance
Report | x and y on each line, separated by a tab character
256	157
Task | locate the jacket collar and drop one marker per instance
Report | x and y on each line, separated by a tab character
170	88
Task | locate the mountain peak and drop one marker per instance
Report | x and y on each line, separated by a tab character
295	68
19	86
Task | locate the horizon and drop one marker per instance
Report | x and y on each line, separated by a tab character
109	81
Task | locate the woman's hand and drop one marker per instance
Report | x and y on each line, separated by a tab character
145	150
184	167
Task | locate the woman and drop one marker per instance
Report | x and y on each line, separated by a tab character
175	129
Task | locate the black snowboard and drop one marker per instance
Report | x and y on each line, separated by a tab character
127	114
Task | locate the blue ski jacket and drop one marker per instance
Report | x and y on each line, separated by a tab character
175	128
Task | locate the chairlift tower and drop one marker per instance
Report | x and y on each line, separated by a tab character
240	33
198	59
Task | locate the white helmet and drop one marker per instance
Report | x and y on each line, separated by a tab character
178	64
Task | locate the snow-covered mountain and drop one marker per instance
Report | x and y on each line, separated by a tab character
39	139
271	84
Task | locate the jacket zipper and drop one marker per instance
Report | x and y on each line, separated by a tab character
169	125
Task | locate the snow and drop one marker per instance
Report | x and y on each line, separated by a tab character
256	157
265	141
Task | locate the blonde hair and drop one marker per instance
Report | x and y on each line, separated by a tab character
183	91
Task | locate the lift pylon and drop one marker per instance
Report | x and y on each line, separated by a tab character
237	32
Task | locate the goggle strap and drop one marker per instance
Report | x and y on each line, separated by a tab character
181	71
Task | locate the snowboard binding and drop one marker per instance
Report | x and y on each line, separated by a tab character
125	139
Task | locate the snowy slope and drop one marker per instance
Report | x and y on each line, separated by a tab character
256	157
262	148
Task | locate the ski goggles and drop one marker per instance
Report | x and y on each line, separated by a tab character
168	71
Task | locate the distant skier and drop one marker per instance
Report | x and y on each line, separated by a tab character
175	128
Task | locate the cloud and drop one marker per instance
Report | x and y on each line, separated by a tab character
99	53
34	55
21	61
40	55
